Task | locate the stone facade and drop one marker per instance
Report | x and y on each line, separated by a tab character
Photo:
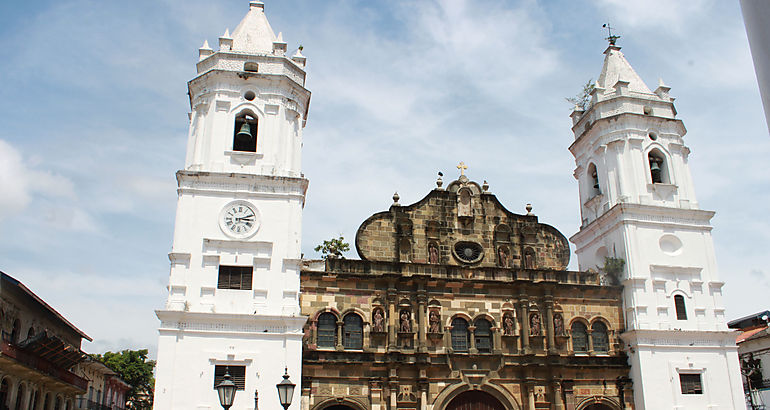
418	322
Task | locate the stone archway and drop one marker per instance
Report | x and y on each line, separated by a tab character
339	407
475	400
597	407
598	403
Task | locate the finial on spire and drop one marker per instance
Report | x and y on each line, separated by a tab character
258	4
611	38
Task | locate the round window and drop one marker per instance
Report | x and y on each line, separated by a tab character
468	252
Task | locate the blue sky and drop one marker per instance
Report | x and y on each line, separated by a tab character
93	109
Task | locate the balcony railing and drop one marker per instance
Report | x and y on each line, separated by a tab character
84	404
42	365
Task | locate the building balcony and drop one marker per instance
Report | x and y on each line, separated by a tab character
34	362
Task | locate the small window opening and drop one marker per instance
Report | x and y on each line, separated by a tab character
653	136
249	95
681	312
647	110
579	337
235	277
691	383
245	138
600	338
460	335
483	335
353	332
251	66
658	172
594	180
237	375
327	330
15	331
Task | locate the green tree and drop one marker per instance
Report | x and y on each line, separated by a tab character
133	367
333	248
584	97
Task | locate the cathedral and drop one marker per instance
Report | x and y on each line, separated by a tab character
455	302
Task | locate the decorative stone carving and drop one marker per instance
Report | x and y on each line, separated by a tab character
558	324
405	318
508	325
534	325
434	322
503	259
405	393
378	321
433	253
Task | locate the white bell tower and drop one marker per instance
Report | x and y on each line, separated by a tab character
233	292
637	203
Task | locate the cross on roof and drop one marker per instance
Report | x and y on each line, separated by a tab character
462	167
612	39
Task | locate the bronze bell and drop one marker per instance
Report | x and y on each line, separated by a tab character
655	171
244	135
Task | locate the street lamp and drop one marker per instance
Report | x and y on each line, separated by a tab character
285	390
226	390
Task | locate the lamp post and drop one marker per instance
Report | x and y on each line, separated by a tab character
226	390
285	390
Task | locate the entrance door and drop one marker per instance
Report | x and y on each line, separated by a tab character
339	407
475	400
597	407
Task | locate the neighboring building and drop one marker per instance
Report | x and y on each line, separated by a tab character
38	352
106	390
756	14
754	353
233	292
638	203
458	303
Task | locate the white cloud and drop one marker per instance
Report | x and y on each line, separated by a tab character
20	183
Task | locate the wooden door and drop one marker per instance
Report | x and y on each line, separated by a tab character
475	400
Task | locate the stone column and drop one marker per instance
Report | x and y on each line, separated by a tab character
472	331
530	395
549	331
590	341
422	299
497	343
569	396
392	317
524	318
339	345
558	403
313	333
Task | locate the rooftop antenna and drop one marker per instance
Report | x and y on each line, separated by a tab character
611	38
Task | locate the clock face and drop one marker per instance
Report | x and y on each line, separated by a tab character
239	219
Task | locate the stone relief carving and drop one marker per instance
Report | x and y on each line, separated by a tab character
434	322
558	324
406	322
508	325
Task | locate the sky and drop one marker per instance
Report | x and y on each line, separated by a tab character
93	126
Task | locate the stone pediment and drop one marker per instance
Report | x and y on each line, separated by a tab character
463	225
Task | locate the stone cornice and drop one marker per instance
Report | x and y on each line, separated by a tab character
640	214
225	182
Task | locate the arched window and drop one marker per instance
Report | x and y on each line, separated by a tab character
245	136
4	392
593	178
353	332
483	335
460	335
658	168
600	338
46	401
57	404
327	330
19	397
31	332
681	312
15	331
579	337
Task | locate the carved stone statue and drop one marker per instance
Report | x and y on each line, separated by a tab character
432	253
406	323
378	321
508	325
534	325
502	257
558	325
434	322
529	259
